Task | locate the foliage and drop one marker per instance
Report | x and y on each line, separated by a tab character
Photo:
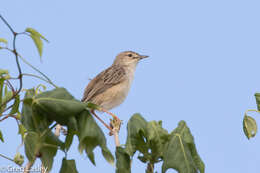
176	150
37	112
249	123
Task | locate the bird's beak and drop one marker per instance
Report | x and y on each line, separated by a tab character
143	56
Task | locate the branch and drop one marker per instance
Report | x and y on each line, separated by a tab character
7	116
10	85
116	138
1	155
149	168
6	157
17	63
9	107
33	75
28	167
34	68
7	24
20	76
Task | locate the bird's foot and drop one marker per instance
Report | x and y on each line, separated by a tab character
115	125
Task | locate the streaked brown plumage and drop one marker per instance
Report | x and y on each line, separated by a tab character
110	87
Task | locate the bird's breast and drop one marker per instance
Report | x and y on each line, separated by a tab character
117	94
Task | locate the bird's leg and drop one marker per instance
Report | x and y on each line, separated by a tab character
107	126
115	124
113	115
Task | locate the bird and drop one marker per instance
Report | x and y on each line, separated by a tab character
110	87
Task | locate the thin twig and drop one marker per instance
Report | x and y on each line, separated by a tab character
17	63
33	75
6	157
1	155
7	24
9	107
34	68
10	85
7	116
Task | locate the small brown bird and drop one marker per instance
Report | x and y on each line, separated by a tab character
110	87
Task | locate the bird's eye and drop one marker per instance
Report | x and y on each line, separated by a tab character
130	55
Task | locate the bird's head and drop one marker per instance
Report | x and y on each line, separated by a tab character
128	58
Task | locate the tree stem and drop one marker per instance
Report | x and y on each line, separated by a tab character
28	167
6	157
149	168
115	133
115	124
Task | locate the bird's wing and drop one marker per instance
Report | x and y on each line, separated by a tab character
103	81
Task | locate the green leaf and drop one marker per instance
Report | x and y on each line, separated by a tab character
15	105
49	149
31	120
136	130
1	136
36	37
3	72
257	97
27	119
92	106
44	147
142	158
149	138
60	110
123	161
2	40
34	32
57	93
90	136
69	139
58	105
68	166
8	95
157	138
249	126
22	131
39	87
1	94
19	159
180	153
32	145
38	43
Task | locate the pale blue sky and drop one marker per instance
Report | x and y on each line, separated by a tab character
203	67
